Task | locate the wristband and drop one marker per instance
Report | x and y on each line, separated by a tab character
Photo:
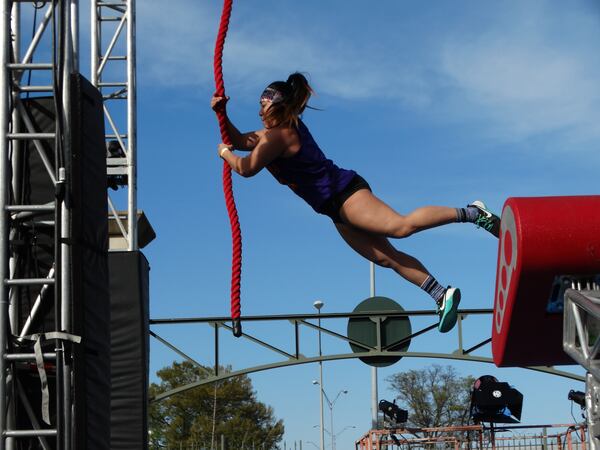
223	151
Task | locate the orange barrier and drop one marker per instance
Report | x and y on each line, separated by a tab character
477	437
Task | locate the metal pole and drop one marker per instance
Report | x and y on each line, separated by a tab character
374	393
592	387
17	147
15	159
332	435
5	39
75	33
94	44
131	127
318	304
321	385
65	225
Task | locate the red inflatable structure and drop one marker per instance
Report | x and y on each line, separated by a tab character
541	239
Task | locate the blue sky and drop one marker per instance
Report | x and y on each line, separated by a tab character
432	102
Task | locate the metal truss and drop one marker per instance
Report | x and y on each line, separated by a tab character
49	53
113	72
581	337
472	437
581	341
311	321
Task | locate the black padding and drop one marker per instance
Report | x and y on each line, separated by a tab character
129	288
91	298
88	248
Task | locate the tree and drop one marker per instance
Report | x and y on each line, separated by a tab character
198	417
434	397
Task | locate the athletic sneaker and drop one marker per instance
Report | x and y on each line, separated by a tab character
486	219
448	309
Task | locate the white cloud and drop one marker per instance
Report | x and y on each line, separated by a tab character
179	52
174	42
533	69
526	87
530	75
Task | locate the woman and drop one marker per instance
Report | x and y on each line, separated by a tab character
286	148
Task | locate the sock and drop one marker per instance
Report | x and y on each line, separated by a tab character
468	214
434	289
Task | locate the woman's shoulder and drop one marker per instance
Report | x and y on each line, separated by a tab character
284	136
280	133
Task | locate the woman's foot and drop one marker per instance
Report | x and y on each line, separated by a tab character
448	309
485	218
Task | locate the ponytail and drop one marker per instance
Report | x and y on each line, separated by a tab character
300	91
295	92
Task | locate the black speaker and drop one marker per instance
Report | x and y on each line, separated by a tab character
34	244
129	298
495	402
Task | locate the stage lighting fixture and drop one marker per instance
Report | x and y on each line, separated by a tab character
495	402
577	397
114	151
393	412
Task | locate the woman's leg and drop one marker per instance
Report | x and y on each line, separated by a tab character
380	251
365	211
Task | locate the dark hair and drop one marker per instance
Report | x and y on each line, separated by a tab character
296	92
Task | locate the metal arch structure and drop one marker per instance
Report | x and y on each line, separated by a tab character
113	72
310	321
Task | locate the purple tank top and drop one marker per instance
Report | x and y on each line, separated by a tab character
309	173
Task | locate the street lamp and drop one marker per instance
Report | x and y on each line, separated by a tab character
318	304
344	429
331	405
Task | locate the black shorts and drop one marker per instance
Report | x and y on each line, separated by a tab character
331	207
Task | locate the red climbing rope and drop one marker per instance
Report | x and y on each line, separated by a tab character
236	233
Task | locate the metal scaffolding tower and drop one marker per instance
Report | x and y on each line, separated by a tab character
50	52
581	341
113	71
48	56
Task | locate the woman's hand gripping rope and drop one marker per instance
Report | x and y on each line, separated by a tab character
222	149
218	104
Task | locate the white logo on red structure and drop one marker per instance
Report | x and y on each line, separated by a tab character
506	265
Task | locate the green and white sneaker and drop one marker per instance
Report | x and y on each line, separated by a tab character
486	219
448	309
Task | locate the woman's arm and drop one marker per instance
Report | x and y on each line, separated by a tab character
270	145
240	141
243	141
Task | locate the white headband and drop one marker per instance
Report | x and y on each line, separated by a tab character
271	95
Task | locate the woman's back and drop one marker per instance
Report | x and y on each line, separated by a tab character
308	172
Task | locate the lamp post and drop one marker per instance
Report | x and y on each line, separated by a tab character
330	404
347	427
344	429
374	394
318	305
